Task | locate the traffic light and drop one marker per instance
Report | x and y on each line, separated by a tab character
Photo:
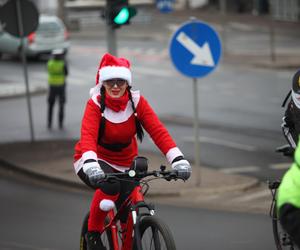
119	13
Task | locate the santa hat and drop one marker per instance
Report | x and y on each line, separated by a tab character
111	67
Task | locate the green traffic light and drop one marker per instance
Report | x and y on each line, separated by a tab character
122	17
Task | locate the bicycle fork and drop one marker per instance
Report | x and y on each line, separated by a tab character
137	218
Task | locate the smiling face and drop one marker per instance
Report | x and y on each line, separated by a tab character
115	87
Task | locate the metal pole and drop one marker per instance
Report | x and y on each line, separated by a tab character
223	8
110	31
21	33
196	131
111	40
272	39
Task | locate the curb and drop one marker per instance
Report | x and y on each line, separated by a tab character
225	189
67	183
13	92
38	176
152	193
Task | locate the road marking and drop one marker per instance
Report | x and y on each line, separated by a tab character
153	72
220	142
151	51
236	170
280	166
253	196
242	27
202	54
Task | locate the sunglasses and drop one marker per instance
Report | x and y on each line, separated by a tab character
112	82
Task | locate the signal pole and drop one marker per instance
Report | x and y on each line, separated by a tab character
117	13
111	40
110	31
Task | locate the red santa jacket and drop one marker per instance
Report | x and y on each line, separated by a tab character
120	128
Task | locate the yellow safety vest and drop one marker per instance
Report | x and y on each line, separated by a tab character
56	72
289	189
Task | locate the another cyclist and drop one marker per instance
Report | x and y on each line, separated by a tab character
113	120
291	119
288	199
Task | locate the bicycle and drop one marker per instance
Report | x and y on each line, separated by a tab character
282	239
144	230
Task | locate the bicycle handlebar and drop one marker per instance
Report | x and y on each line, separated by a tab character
132	174
286	150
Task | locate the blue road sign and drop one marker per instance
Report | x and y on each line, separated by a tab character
195	49
165	6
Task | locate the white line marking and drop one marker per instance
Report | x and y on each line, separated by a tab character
245	169
202	54
225	143
154	72
151	51
257	195
281	166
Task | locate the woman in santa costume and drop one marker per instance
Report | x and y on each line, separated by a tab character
113	120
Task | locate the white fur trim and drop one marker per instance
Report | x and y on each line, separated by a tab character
95	100
95	90
106	205
78	165
173	153
110	72
91	165
89	155
121	116
117	167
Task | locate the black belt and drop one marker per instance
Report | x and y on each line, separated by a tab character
115	147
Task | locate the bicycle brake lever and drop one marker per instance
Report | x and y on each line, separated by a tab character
172	176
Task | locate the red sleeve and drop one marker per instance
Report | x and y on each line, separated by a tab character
154	127
90	127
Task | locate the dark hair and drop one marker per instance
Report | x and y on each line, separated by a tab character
102	108
139	128
138	125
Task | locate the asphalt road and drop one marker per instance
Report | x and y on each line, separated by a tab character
39	216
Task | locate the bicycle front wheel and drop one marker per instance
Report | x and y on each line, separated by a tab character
105	236
155	234
282	239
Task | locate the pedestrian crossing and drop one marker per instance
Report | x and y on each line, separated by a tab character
125	51
254	196
252	169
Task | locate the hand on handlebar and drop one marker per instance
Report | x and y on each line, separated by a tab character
94	172
287	150
183	169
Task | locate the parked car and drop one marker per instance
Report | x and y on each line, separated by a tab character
51	34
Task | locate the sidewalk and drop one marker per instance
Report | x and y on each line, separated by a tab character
51	161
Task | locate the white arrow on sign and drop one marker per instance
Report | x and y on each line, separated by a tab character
202	55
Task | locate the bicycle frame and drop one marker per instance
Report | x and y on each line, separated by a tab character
133	202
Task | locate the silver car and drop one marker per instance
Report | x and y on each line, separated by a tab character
51	34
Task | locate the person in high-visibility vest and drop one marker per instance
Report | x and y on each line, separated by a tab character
57	72
288	199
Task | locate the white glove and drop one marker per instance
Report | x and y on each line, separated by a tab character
183	168
93	171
